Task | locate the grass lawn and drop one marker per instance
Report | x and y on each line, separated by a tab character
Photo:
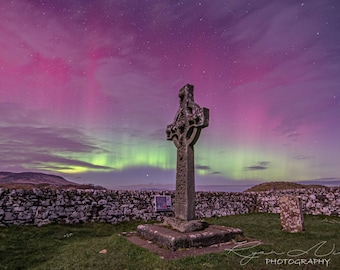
78	246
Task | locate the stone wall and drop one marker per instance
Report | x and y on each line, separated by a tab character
320	201
44	206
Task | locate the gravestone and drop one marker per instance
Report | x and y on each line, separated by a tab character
291	216
184	132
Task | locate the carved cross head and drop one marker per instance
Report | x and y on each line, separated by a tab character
189	120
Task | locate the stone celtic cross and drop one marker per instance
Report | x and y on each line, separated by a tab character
184	132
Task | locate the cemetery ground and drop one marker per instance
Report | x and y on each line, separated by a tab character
104	246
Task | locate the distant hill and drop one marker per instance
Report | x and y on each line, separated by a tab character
34	179
281	186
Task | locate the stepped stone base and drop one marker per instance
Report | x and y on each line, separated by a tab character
173	240
185	226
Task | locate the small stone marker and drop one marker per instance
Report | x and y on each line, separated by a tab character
291	216
184	132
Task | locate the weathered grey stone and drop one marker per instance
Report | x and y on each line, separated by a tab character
43	222
18	209
102	202
174	240
21	216
184	225
184	132
9	216
45	202
291	216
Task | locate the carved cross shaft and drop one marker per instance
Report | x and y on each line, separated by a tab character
184	132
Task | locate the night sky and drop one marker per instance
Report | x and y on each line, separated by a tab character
87	89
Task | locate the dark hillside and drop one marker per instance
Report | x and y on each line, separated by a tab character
281	186
33	179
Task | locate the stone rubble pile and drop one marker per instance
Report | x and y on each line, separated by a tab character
44	206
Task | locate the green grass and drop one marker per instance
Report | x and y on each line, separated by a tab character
78	246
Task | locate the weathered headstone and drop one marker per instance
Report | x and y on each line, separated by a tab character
184	132
291	216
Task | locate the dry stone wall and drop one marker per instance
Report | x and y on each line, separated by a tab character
317	201
44	206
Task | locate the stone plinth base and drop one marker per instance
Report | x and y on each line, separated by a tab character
185	226
173	240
